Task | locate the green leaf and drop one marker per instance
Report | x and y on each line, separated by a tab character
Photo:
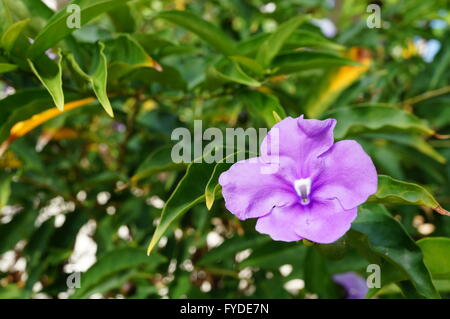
393	191
50	75
7	67
125	54
204	29
355	120
230	247
38	8
271	255
317	277
213	186
387	238
99	80
5	189
248	63
263	106
11	34
414	141
123	19
308	39
20	227
113	262
231	71
189	192
157	161
307	60
272	45
57	28
12	291
436	255
98	77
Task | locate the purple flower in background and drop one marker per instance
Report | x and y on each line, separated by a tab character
354	285
315	190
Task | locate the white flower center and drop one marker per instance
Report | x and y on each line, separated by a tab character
303	188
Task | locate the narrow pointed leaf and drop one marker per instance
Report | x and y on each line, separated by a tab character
11	34
50	75
273	44
204	29
189	192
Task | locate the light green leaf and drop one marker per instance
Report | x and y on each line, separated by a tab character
249	63
232	72
99	80
393	191
189	192
213	186
50	75
11	34
124	55
98	77
436	255
307	60
7	67
272	45
204	29
5	189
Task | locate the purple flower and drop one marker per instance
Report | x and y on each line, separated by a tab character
315	189
354	285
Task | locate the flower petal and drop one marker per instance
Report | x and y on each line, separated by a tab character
280	223
348	174
355	286
250	191
301	140
321	222
324	221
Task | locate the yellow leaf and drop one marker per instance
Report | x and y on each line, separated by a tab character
23	127
337	80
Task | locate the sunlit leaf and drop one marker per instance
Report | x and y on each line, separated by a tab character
10	36
392	191
436	255
50	75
